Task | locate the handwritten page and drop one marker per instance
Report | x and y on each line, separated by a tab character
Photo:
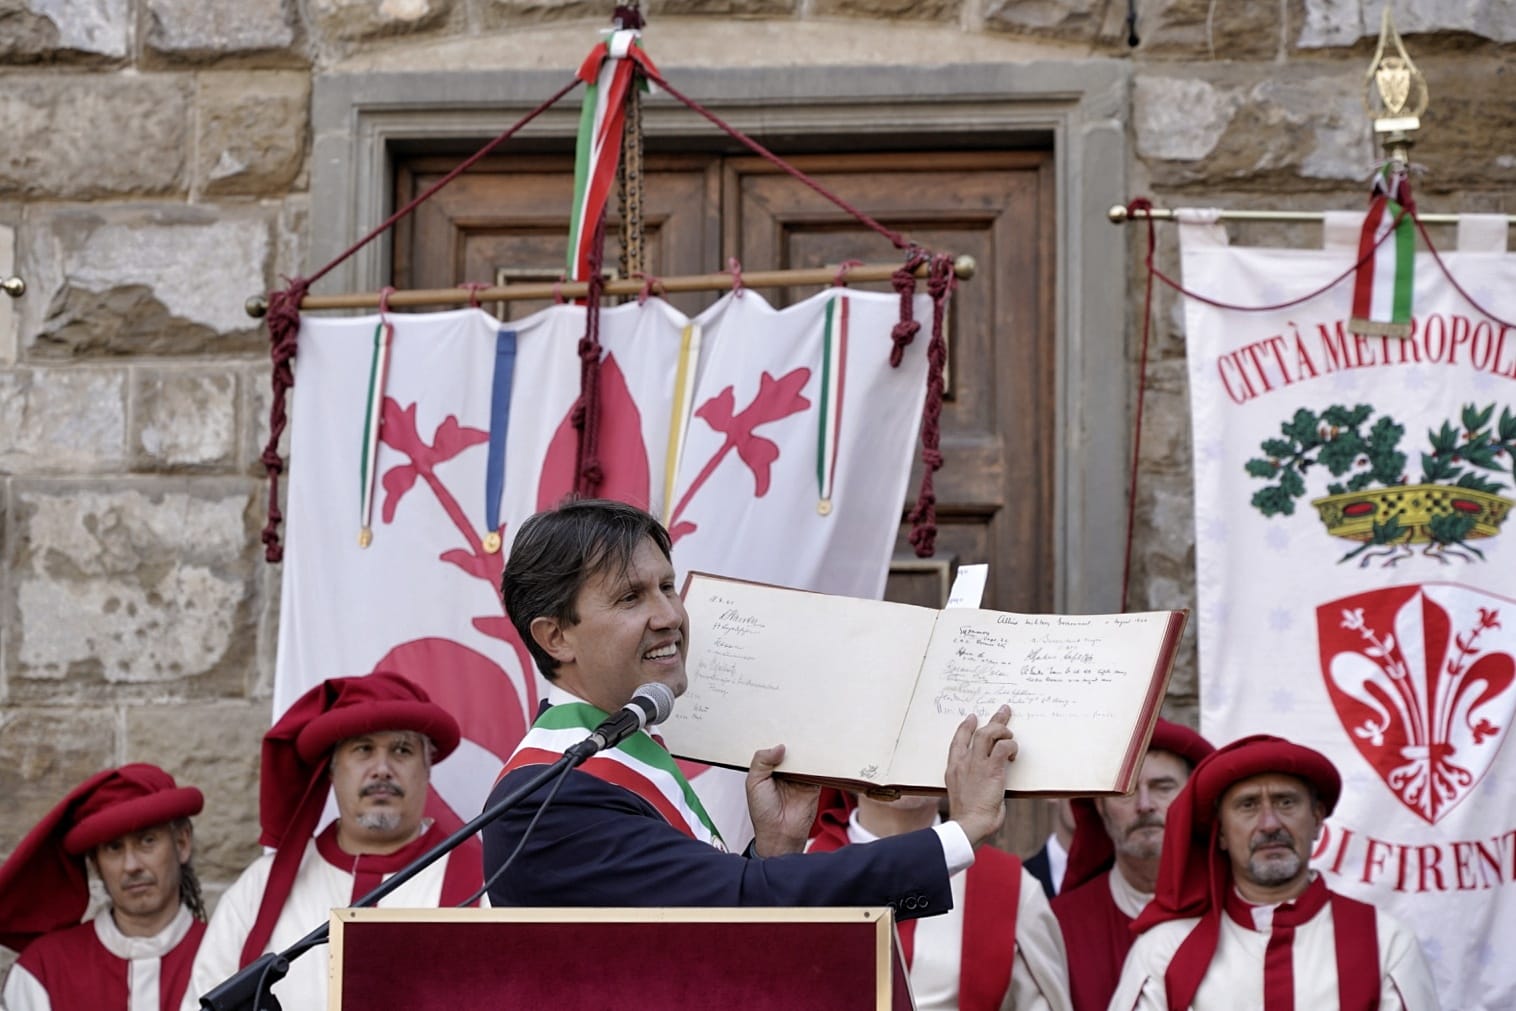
1073	683
817	673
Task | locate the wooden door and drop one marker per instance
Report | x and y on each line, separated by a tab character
509	218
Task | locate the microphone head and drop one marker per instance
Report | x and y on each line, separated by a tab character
661	697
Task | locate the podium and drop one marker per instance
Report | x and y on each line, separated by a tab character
588	959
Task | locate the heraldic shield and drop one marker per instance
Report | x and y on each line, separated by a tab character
1421	677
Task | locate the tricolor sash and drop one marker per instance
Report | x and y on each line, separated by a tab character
638	764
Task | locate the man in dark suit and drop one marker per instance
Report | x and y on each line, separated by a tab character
590	587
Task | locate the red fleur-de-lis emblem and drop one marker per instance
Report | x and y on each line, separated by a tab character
776	399
1421	678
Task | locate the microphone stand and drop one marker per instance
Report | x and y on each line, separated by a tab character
248	990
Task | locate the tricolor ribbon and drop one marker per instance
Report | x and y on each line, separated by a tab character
829	423
1385	278
608	73
378	378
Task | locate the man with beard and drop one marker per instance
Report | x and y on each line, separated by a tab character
1239	919
131	825
374	739
1113	864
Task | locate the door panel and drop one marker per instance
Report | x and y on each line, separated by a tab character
508	218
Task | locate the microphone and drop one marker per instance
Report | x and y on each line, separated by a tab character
650	703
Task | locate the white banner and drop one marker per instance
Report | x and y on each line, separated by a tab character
744	423
1356	583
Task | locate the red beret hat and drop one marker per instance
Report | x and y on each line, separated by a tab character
1091	852
43	884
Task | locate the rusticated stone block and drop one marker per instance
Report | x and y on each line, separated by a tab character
1468	135
520	13
67	135
195	29
1206	29
350	20
184	419
44	753
215	747
252	131
916	10
59	421
1071	20
144	591
1166	424
35	31
1343	22
157	281
1250	123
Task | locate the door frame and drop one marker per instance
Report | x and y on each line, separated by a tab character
1079	107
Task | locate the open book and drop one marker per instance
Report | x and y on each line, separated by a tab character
866	694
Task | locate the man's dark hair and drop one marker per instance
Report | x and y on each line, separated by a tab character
189	881
556	552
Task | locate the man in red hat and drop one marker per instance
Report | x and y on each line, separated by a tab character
1113	864
370	741
132	826
1239	919
999	945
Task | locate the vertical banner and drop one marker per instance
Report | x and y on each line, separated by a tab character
775	444
471	433
795	465
1356	574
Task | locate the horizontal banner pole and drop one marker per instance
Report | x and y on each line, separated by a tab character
1119	215
963	267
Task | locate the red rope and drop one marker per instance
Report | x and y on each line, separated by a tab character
895	237
588	472
1142	386
283	338
284	324
1437	258
904	281
941	281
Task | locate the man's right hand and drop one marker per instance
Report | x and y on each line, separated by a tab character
975	775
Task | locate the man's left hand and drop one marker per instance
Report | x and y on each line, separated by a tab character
782	809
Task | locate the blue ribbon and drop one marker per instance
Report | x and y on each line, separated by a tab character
500	417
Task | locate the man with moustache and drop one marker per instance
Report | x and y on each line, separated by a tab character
1239	919
1113	864
373	741
590	587
131	826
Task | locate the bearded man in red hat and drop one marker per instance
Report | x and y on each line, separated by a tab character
1239	919
131	825
371	741
1113	864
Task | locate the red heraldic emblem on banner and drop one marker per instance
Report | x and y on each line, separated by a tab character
1421	679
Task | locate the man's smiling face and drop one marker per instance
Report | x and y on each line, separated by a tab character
629	628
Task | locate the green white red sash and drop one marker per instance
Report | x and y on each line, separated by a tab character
1383	283
608	72
638	764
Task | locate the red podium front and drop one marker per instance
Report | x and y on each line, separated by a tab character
598	959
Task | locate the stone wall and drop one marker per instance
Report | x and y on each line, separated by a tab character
154	172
